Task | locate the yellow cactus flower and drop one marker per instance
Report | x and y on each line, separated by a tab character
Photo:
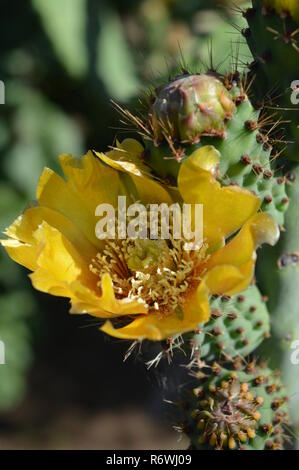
149	289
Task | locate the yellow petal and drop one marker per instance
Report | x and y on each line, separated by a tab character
264	229
92	181
89	183
23	246
61	270
231	268
228	279
259	229
225	209
52	253
24	226
247	270
22	229
197	307
22	253
103	305
110	304
58	263
155	328
150	191
127	159
133	148
208	158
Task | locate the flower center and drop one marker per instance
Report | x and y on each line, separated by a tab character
158	272
147	255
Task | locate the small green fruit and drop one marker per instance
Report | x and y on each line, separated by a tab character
189	107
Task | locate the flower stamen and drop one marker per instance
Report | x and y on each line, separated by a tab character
157	272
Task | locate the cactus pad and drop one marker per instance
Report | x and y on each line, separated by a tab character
273	38
237	326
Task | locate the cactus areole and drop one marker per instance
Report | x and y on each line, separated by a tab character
191	106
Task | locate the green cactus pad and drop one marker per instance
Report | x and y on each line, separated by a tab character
246	161
237	326
273	39
278	272
236	409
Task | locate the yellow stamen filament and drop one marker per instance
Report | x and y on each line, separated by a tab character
158	273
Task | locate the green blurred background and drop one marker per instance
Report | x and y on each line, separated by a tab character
64	384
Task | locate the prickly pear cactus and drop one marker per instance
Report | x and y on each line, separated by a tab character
195	110
273	37
236	404
236	409
243	408
185	114
238	325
